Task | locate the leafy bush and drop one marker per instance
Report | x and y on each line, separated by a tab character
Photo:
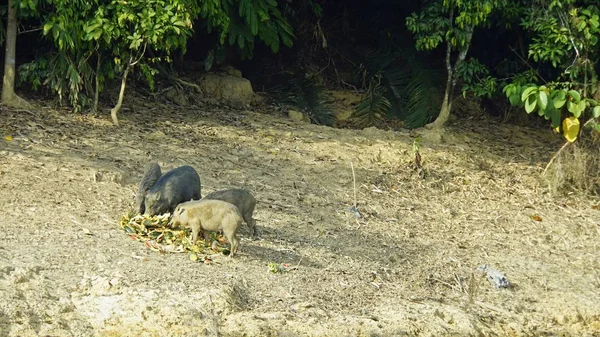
566	36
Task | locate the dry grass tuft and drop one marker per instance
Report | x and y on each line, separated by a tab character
575	167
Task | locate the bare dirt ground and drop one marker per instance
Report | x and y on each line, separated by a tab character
406	267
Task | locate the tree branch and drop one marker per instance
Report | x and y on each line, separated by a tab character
30	30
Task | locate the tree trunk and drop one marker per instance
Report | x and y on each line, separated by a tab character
451	81
444	110
114	111
97	89
442	118
8	83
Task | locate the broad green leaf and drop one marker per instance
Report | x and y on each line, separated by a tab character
576	108
596	111
89	28
530	104
559	96
287	41
275	46
570	129
47	27
575	95
527	92
558	102
543	100
571	107
263	16
554	115
580	108
95	35
254	25
514	100
285	27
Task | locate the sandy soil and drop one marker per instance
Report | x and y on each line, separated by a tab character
406	267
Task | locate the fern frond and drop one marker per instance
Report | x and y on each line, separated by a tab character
424	96
307	94
411	87
372	109
395	80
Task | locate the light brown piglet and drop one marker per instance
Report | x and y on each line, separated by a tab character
209	216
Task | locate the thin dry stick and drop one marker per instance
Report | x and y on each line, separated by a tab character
354	184
355	210
555	156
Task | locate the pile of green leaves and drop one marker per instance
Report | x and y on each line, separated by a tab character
156	234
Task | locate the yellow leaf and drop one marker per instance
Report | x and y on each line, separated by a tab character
8	138
570	129
193	256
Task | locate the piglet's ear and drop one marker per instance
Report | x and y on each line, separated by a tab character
181	211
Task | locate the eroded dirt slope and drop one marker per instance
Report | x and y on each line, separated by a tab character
407	266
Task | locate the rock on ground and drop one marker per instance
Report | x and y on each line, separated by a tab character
230	88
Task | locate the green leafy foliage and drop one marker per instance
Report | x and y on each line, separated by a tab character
561	30
566	36
249	19
113	35
131	25
214	17
551	103
453	22
450	21
398	85
476	79
3	13
68	79
95	40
